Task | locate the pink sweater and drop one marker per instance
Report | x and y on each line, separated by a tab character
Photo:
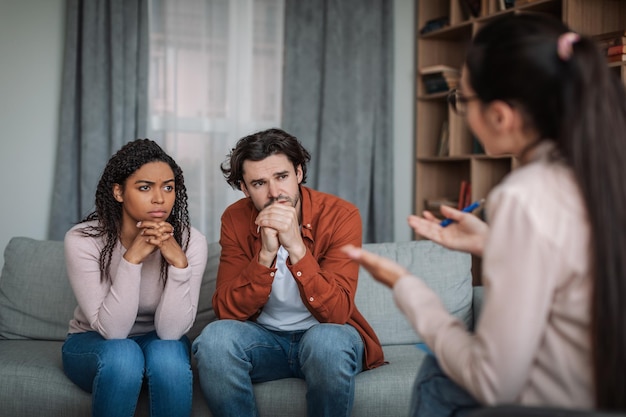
532	342
135	301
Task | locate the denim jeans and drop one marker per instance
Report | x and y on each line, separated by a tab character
436	395
234	354
113	372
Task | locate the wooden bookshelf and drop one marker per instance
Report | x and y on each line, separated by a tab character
439	177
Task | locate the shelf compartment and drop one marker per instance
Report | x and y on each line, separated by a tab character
440	178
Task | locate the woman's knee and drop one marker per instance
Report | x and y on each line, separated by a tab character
122	354
121	361
168	357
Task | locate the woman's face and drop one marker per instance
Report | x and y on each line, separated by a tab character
475	114
498	125
148	194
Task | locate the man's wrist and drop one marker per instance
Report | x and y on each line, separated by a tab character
295	255
266	258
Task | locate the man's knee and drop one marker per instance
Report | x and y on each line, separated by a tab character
324	344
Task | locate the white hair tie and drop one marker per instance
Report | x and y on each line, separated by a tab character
565	45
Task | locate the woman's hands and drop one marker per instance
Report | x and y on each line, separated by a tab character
467	233
382	269
153	235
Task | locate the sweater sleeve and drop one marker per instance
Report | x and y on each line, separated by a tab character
110	306
177	309
519	271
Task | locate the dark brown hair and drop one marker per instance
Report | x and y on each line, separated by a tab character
259	146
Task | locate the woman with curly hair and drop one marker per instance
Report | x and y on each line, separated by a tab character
135	265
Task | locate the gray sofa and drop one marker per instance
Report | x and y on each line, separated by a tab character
36	303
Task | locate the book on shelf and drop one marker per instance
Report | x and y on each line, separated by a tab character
616	50
471	7
477	147
439	78
434	205
465	194
616	58
435	24
443	144
506	4
609	39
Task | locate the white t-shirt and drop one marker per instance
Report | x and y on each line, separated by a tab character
285	311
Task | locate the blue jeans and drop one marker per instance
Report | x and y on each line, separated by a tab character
436	395
232	355
113	372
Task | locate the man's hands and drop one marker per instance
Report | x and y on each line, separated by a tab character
279	225
153	235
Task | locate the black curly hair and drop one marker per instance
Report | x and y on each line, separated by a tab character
108	212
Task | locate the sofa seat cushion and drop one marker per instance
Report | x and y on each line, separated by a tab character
31	372
395	380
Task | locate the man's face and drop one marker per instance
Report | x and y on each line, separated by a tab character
272	180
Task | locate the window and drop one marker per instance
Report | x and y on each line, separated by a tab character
215	76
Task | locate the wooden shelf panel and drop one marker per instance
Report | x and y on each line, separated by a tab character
439	177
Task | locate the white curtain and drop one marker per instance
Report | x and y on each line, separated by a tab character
215	76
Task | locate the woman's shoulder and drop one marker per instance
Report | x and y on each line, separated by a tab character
544	193
84	235
541	181
196	237
87	228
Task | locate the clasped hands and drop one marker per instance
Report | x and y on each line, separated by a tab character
467	234
279	225
152	236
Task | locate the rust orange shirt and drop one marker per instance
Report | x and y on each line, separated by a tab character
327	279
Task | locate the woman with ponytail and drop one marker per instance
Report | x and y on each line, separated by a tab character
552	330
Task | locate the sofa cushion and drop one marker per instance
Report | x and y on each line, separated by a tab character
394	380
205	313
36	300
446	272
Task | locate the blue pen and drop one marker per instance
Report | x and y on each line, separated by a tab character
468	209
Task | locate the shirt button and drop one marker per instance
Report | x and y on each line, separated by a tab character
311	299
271	274
299	273
308	225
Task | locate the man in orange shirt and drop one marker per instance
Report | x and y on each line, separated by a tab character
285	290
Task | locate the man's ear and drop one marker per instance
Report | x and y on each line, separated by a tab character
117	193
299	173
242	187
